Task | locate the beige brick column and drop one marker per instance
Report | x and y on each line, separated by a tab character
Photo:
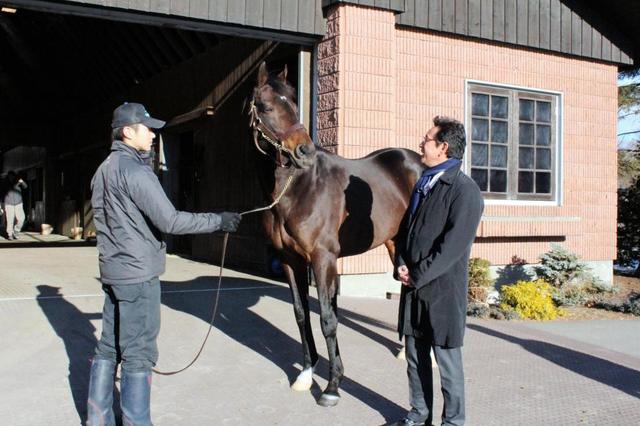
356	103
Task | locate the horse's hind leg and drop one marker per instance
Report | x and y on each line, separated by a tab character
296	271
324	267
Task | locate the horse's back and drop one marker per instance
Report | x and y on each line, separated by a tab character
392	159
374	193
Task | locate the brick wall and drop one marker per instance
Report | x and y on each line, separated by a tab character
380	86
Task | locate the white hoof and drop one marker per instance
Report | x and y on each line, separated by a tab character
401	355
303	381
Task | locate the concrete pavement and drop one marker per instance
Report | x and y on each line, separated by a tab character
517	373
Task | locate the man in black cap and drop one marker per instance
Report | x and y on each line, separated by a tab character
130	211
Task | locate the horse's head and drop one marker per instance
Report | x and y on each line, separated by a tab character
275	122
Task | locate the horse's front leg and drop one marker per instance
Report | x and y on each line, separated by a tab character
324	267
296	272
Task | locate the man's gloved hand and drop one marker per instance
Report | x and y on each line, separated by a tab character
230	221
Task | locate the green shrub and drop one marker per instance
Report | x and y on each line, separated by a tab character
478	310
530	299
634	303
631	305
629	222
479	280
479	273
559	266
586	292
484	311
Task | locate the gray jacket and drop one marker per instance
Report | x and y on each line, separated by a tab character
13	197
130	210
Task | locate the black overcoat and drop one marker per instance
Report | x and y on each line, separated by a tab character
435	246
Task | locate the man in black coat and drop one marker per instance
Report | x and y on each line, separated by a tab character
433	249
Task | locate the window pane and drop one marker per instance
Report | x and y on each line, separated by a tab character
526	134
526	110
543	159
480	131
543	135
543	112
480	104
499	131
499	107
543	183
525	182
480	176
479	154
525	159
498	181
498	156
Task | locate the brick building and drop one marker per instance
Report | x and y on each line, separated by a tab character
537	94
534	81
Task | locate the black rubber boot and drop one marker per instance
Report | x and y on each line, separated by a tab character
100	398
135	398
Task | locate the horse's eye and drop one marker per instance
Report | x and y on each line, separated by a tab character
262	107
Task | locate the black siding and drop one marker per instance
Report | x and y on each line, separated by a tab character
300	16
565	26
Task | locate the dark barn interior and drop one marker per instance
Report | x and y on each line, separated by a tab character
62	75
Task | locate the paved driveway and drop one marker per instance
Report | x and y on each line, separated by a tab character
517	373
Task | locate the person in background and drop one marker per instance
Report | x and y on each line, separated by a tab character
13	205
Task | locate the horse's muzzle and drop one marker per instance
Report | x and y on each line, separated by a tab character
304	155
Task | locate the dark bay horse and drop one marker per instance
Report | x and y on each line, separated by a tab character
331	207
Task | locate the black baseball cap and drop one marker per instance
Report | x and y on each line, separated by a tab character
132	113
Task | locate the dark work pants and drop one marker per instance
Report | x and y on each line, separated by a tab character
130	325
420	375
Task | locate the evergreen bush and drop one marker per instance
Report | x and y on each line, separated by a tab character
559	266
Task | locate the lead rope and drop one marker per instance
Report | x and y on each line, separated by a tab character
224	253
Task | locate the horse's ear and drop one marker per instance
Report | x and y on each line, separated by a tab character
263	74
283	74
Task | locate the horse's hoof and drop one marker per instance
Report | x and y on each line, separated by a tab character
303	381
328	400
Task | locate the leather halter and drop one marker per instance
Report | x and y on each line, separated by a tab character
269	134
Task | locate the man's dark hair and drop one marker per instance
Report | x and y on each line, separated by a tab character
452	132
117	134
12	177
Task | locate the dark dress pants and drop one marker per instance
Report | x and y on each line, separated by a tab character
130	325
420	375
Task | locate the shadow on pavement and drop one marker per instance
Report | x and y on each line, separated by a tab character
236	319
77	333
606	372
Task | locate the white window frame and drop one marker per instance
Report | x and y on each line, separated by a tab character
559	119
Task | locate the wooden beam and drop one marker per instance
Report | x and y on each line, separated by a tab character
134	60
97	66
136	48
152	45
196	114
17	41
158	39
169	35
186	38
141	69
